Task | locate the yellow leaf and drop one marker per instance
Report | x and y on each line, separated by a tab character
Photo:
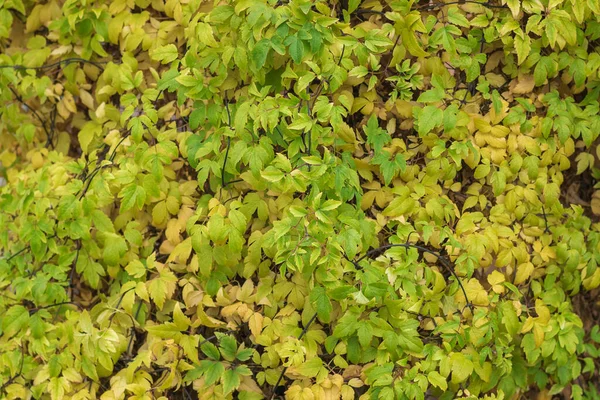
596	203
101	111
524	271
37	160
538	334
204	32
246	291
86	98
181	320
7	158
476	293
255	323
172	232
542	311
249	385
296	392
525	84
159	213
496	279
347	393
346	133
87	134
592	281
61	50
142	291
514	6
182	251
205	320
33	19
485	371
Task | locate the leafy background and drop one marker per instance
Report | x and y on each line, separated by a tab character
300	199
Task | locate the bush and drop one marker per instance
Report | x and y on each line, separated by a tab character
309	199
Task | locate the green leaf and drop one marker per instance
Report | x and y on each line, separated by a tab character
193	374
462	367
37	325
498	182
136	269
213	371
456	17
165	54
204	33
102	222
87	134
168	80
365	334
259	53
350	240
444	36
89	368
231	381
132	195
228	347
244	354
167	330
353	5
296	48
240	57
318	297
197	117
67	207
428	118
241	117
523	46
6	21
347	325
310	368
91	271
16	318
137	129
211	350
27	130
433	95
390	166
437	380
115	247
376	137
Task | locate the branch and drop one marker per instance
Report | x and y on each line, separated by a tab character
49	141
310	132
93	174
34	310
66	61
73	266
445	263
366	11
223	184
129	348
12	378
310	321
460	2
112	316
42	121
17	253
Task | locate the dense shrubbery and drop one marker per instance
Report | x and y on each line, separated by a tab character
309	199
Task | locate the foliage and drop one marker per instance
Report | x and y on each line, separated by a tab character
310	199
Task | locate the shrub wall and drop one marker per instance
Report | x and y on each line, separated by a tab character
302	199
